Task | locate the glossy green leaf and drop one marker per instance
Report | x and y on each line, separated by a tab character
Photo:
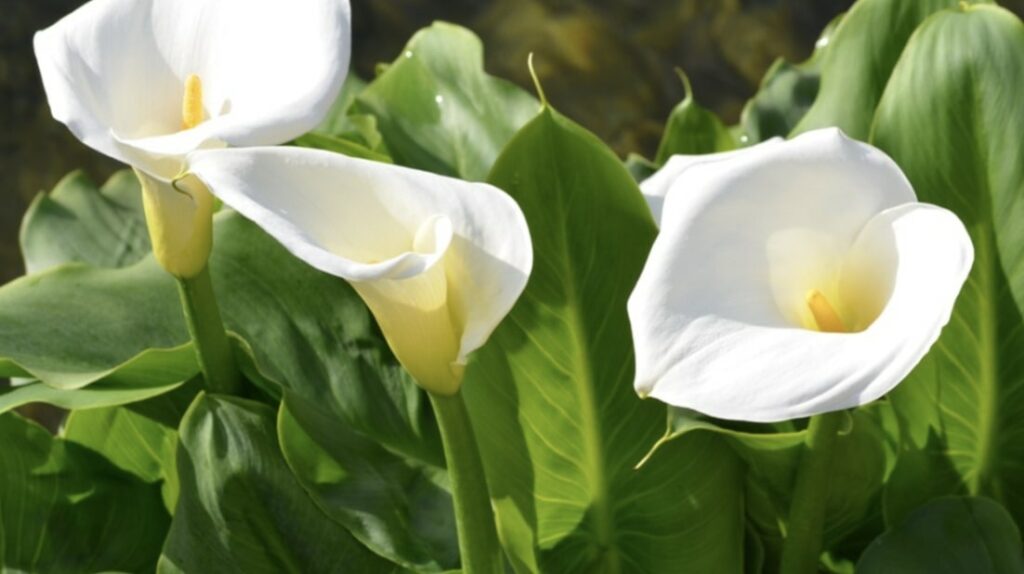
130	441
437	108
140	438
860	57
960	142
693	129
786	93
66	510
74	325
77	221
240	508
949	536
399	509
105	393
551	398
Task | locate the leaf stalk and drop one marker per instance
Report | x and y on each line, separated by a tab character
213	350
478	538
801	550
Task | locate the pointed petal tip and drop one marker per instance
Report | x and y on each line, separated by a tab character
643	388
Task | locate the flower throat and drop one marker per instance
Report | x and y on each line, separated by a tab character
824	314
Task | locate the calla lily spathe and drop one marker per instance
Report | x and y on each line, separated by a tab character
656	187
792	279
439	261
148	81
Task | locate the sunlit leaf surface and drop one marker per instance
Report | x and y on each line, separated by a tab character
959	142
551	394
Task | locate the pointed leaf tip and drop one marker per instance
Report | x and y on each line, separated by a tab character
686	83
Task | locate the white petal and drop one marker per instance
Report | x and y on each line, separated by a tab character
656	187
710	330
114	71
389	230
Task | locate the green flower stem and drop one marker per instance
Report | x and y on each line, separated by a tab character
478	539
801	550
208	335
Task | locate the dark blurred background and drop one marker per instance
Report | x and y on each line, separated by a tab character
606	63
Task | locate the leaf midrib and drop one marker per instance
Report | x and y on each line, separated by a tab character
988	377
595	462
986	260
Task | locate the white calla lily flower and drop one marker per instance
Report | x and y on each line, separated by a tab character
148	81
439	261
793	279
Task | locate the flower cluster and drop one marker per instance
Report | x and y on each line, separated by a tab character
168	87
789	279
795	278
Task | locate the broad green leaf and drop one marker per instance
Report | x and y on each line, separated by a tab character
770	451
922	472
859	59
770	459
401	510
551	397
77	221
105	393
65	510
240	508
786	92
53	315
959	141
74	325
862	460
140	438
118	335
693	129
437	108
949	536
